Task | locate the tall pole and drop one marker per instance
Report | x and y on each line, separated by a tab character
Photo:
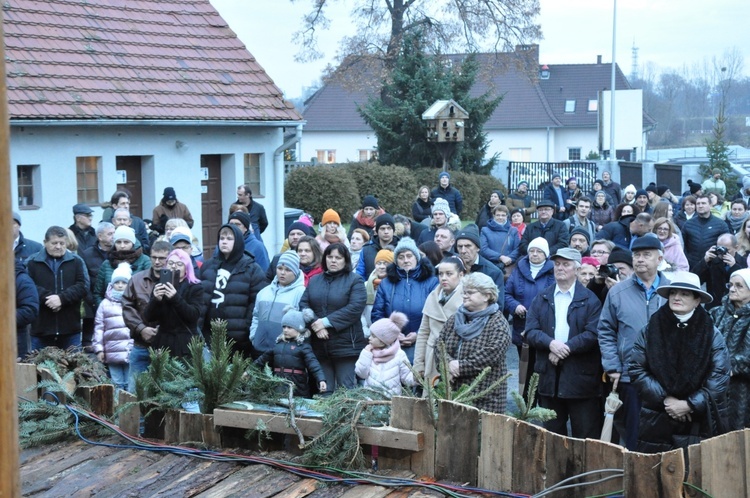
9	476
612	149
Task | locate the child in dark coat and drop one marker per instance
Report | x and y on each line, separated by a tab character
292	358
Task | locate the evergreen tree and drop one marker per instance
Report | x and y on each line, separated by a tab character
419	79
717	151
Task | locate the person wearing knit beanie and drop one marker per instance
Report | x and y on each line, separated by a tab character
588	270
122	273
629	194
124	232
370	201
382	364
694	187
384	255
469	233
330	216
541	244
290	261
441	205
620	255
331	231
580	239
243	218
744	274
406	244
296	231
384	219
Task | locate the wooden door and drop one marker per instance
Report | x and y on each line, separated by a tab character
129	170
211	201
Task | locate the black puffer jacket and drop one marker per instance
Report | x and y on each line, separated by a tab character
699	234
555	233
177	318
578	375
340	297
421	210
66	277
230	285
292	361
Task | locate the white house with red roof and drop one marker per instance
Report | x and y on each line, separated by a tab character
551	113
143	95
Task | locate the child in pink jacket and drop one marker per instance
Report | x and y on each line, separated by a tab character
112	342
383	364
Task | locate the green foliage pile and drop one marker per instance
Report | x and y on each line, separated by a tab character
317	188
86	370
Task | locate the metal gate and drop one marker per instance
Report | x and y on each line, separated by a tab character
538	175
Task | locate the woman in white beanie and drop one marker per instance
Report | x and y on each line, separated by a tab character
383	364
126	249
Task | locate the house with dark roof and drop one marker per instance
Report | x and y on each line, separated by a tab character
143	94
555	112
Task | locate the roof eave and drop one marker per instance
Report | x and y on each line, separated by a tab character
153	122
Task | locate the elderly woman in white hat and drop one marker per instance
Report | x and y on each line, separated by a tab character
680	367
732	318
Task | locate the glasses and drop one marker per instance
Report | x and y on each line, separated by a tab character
175	264
736	286
600	253
469	292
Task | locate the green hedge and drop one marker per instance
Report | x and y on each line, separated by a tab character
342	187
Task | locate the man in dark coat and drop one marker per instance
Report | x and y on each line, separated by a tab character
121	199
612	188
718	264
81	227
22	247
618	232
257	212
231	281
557	195
553	231
467	247
27	308
561	326
384	236
61	282
701	231
169	208
448	192
94	256
296	231
520	199
253	244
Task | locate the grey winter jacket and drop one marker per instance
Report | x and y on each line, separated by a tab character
625	313
269	310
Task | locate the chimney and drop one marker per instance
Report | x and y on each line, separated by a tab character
598	59
529	52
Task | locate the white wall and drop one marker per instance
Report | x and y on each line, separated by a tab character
346	144
628	120
55	149
585	138
501	141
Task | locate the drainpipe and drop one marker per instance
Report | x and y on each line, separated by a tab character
548	144
278	173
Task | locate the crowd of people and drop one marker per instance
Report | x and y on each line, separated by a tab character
638	286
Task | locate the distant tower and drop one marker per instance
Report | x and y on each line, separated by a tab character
634	66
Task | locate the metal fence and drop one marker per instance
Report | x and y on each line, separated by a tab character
538	175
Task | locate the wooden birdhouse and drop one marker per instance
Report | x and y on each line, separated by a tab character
446	121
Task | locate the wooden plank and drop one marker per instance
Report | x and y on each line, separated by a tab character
103	400
240	483
672	474
564	457
129	419
694	473
457	423
172	427
603	455
529	458
26	381
496	452
381	436
723	465
190	427
210	433
405	412
642	473
45	374
366	492
299	490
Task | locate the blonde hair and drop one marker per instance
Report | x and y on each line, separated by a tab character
481	283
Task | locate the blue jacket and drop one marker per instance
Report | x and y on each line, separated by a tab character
450	194
550	194
499	240
521	288
269	310
618	232
405	292
578	375
699	235
26	248
27	299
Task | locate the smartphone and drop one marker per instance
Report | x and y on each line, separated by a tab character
166	276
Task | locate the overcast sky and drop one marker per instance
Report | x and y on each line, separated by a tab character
669	33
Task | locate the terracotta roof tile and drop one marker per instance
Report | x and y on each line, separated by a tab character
140	59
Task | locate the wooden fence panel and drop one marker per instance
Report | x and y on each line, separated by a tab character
601	455
496	452
723	465
26	381
457	446
129	419
412	414
565	457
530	458
672	474
694	476
641	473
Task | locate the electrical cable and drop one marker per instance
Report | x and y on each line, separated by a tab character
560	485
313	472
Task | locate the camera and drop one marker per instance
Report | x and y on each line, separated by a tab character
720	251
609	270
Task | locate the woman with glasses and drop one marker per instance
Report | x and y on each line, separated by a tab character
176	306
732	319
674	256
475	338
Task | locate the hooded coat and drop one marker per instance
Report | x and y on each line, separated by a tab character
269	308
499	240
367	258
111	335
294	361
230	286
618	232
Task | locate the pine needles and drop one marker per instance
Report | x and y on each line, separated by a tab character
527	411
87	371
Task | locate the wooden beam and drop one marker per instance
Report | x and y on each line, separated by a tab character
496	452
602	455
642	473
723	464
26	381
129	419
9	476
274	422
529	458
457	446
672	474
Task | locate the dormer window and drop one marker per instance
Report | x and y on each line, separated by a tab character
544	72
570	106
593	105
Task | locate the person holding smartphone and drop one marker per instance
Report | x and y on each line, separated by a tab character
176	305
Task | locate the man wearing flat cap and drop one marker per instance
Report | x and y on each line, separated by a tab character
626	311
557	195
553	231
562	326
81	227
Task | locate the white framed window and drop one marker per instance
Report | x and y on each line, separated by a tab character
593	105
326	156
570	106
574	153
87	179
252	169
28	179
367	154
520	154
